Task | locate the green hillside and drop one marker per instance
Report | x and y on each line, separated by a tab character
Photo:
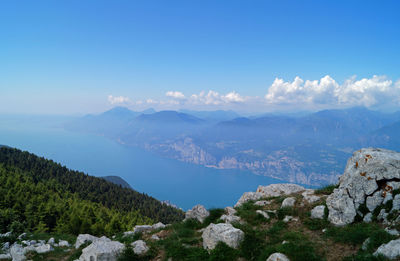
41	195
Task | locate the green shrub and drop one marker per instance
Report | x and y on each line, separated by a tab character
363	256
223	252
286	211
299	247
327	190
214	216
354	233
253	244
247	212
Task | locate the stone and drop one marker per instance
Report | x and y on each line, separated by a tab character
318	212
63	243
382	216
393	232
263	213
23	235
365	244
396	203
273	190
155	237
222	232
288	202
390	250
159	225
6	246
51	241
262	203
83	238
278	257
290	218
44	249
102	249
128	233
198	212
364	170
230	211
5	256
309	197
230	218
368	218
142	228
17	252
139	247
375	200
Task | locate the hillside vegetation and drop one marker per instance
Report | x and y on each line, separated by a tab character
41	195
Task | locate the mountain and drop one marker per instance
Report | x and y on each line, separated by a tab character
310	149
118	181
214	116
42	195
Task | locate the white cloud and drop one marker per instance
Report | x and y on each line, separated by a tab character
368	92
114	100
175	95
214	98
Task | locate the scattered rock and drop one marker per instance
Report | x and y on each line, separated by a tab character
368	218
83	238
51	241
102	249
221	232
390	250
230	218
318	212
142	229
5	256
309	197
263	213
290	218
159	225
278	257
198	212
288	202
139	247
63	243
365	244
364	170
262	203
155	237
273	190
230	211
128	233
6	246
393	232
44	249
17	252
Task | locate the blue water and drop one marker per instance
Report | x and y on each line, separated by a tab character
182	183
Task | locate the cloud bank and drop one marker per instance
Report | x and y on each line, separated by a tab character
374	92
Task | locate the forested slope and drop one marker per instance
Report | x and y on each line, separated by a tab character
42	195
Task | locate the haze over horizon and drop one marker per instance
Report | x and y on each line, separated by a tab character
77	57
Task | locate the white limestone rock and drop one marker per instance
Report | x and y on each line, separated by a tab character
198	212
17	252
248	196
51	241
288	202
390	250
140	247
289	219
63	243
368	218
318	212
45	248
5	256
309	197
102	249
230	219
278	257
262	203
155	237
263	213
83	238
230	211
159	225
360	180
375	200
396	203
142	229
222	232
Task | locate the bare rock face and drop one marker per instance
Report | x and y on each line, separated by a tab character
318	212
390	250
83	238
222	232
198	212
273	190
278	257
370	175
102	249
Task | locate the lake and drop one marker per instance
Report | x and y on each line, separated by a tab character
181	183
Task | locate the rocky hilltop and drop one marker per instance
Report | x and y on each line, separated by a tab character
357	219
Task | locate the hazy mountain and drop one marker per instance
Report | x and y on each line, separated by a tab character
215	116
311	149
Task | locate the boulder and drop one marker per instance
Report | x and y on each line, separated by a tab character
51	241
309	197
230	218
278	257
263	213
83	238
390	250
368	218
128	233
366	178
230	211
44	249
318	212
159	225
262	203
63	243
142	228
198	212
17	252
288	202
139	247
222	232
273	190
5	256
102	249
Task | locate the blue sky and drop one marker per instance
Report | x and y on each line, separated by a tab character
87	56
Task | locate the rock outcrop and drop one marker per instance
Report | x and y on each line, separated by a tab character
390	250
273	190
278	257
198	212
318	212
222	232
369	177
102	249
140	247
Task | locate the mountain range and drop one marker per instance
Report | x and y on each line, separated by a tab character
309	149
